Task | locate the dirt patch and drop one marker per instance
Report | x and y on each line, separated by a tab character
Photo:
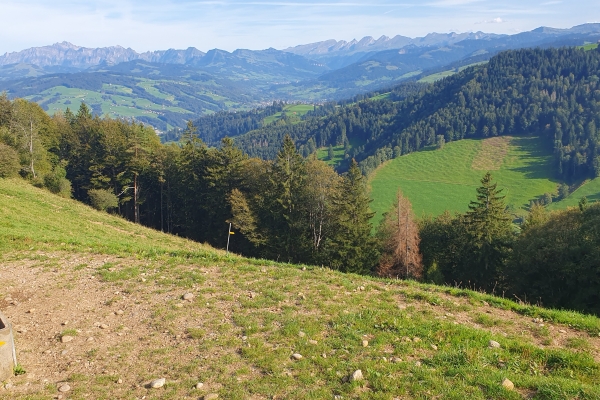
491	155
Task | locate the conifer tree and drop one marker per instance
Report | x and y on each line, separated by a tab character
352	247
399	240
489	228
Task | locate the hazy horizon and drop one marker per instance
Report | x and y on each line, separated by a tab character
229	25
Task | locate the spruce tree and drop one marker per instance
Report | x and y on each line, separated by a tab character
489	228
352	246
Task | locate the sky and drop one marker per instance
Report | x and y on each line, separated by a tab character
231	24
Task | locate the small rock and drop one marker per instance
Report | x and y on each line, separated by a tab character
179	305
244	338
90	339
416	339
406	339
188	296
31	311
103	326
252	295
434	347
562	331
493	344
357	376
64	323
361	288
418	363
119	381
313	342
64	388
507	384
158	383
324	355
303	268
485	303
8	386
211	396
301	334
395	360
64	352
297	356
365	343
119	312
66	339
199	385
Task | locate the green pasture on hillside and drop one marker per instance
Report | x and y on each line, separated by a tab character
293	110
436	180
590	189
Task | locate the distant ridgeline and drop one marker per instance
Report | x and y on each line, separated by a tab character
553	93
212	128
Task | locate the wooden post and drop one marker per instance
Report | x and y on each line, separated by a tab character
228	236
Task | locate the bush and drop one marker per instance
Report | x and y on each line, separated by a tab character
57	182
9	161
102	199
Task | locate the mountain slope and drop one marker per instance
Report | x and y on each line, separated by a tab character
81	274
544	92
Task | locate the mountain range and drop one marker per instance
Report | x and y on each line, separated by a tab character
158	87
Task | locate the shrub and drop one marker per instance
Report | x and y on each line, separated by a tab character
9	161
102	199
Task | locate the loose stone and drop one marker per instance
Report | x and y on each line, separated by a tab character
64	388
211	396
199	385
365	343
493	344
157	383
357	376
188	296
297	356
66	339
507	384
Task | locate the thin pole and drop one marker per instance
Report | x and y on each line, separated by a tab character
406	244
228	236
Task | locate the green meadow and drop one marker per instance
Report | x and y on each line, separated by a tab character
436	180
293	111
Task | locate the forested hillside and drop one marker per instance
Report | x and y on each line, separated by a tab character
297	208
553	93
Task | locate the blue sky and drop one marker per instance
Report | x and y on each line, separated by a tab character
230	24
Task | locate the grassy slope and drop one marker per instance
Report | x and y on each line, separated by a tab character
438	180
249	316
590	189
292	110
